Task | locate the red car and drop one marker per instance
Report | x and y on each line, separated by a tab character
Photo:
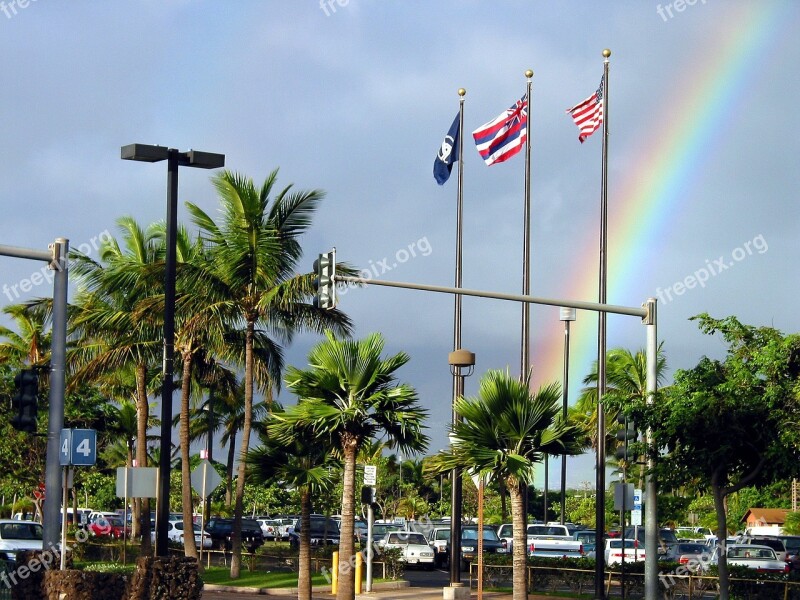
111	526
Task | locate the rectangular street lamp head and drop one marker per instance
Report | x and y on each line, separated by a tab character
205	160
144	152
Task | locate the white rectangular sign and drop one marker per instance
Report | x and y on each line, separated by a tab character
636	517
370	475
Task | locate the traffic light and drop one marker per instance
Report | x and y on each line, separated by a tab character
625	434
324	280
367	495
26	400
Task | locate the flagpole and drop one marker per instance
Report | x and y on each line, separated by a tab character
600	473
458	379
526	257
526	241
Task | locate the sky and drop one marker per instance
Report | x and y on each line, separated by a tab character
354	97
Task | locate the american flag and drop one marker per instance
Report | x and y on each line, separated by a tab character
500	139
588	115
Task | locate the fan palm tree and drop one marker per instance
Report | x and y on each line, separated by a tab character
350	395
307	467
254	251
501	434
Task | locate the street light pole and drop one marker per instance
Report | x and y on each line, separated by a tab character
462	364
174	158
567	315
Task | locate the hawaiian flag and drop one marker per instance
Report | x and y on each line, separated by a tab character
500	139
588	115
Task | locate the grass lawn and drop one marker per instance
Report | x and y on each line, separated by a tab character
259	579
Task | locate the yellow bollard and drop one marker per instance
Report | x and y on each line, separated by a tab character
334	572
359	562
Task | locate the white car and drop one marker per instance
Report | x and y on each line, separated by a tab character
269	527
614	551
416	550
752	556
175	534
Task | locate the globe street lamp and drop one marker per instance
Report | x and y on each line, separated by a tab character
174	158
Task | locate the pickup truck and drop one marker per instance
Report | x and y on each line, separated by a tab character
553	541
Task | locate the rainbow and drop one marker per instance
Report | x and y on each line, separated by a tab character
655	187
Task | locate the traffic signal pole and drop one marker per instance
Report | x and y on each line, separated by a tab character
57	261
648	315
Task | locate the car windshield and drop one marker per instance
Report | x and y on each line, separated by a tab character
442	534
545	530
618	544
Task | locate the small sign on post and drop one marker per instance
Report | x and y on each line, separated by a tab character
370	475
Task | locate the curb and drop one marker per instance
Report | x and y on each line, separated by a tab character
322	589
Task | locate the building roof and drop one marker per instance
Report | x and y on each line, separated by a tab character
768	516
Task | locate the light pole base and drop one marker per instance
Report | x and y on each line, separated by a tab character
455	591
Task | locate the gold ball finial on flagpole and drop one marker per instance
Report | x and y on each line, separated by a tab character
528	73
461	92
606	53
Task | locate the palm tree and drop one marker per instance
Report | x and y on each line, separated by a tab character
307	467
501	434
626	381
350	395
251	275
111	331
31	343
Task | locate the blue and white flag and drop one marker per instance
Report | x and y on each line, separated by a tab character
447	155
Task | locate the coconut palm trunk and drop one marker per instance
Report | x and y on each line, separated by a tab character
189	544
142	417
236	538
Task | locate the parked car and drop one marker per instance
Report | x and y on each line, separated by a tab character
588	539
175	531
614	551
469	544
666	537
752	556
693	555
552	541
378	531
792	543
439	539
16	536
109	525
774	543
415	547
324	531
285	527
221	530
269	527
